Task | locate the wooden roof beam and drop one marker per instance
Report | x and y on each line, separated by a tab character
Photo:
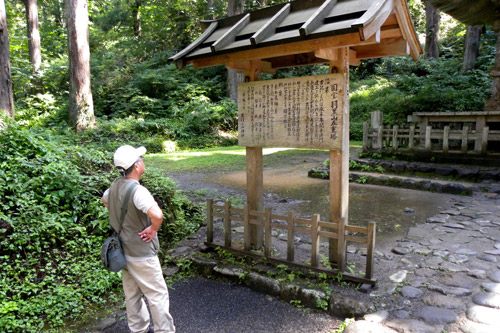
231	34
269	28
246	66
332	54
373	18
304	46
389	48
407	29
317	18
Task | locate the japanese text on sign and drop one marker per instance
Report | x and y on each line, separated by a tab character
299	112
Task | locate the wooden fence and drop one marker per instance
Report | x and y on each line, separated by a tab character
429	139
338	231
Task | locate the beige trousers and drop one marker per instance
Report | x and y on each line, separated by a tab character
145	277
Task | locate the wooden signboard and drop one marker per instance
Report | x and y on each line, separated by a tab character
304	112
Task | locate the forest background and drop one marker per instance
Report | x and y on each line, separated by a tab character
51	175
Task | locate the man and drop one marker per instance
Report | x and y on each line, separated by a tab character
142	273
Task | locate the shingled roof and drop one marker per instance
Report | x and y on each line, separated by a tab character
305	32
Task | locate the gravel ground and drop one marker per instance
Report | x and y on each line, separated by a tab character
202	305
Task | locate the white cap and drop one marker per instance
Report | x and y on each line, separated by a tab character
126	156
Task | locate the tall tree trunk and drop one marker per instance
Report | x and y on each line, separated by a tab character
136	14
6	94
210	10
234	77
33	34
493	104
81	106
432	17
471	49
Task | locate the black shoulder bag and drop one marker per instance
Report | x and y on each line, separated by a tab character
112	256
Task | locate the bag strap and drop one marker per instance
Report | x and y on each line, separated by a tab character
125	204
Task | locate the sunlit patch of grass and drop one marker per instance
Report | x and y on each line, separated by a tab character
216	159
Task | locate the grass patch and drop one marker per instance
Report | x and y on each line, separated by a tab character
218	159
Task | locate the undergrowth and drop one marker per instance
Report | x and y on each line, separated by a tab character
52	226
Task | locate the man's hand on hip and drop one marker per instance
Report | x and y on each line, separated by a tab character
148	234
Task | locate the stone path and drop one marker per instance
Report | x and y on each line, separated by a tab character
444	276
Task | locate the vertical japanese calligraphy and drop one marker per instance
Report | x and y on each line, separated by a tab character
298	112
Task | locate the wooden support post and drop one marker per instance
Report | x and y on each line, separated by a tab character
372	228
428	131
268	245
247	242
380	136
341	251
339	160
255	173
480	125
255	192
210	221
314	240
411	139
465	139
376	118
290	250
484	144
366	136
446	139
395	145
227	224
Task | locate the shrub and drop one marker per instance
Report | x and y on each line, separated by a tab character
52	225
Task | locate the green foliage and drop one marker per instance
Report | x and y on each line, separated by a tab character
53	225
426	85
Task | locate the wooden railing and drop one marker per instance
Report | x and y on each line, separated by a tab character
338	230
412	138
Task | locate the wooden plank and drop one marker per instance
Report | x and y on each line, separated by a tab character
255	191
411	139
339	163
397	47
407	29
465	139
355	239
314	241
269	28
247	242
428	131
230	35
372	20
372	228
329	225
267	233
484	143
317	18
365	136
355	228
306	268
290	248
227	224
395	129
246	66
328	234
341	250
303	221
380	139
294	47
257	223
210	221
446	139
304	112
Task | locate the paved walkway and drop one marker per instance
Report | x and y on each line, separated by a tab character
444	276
